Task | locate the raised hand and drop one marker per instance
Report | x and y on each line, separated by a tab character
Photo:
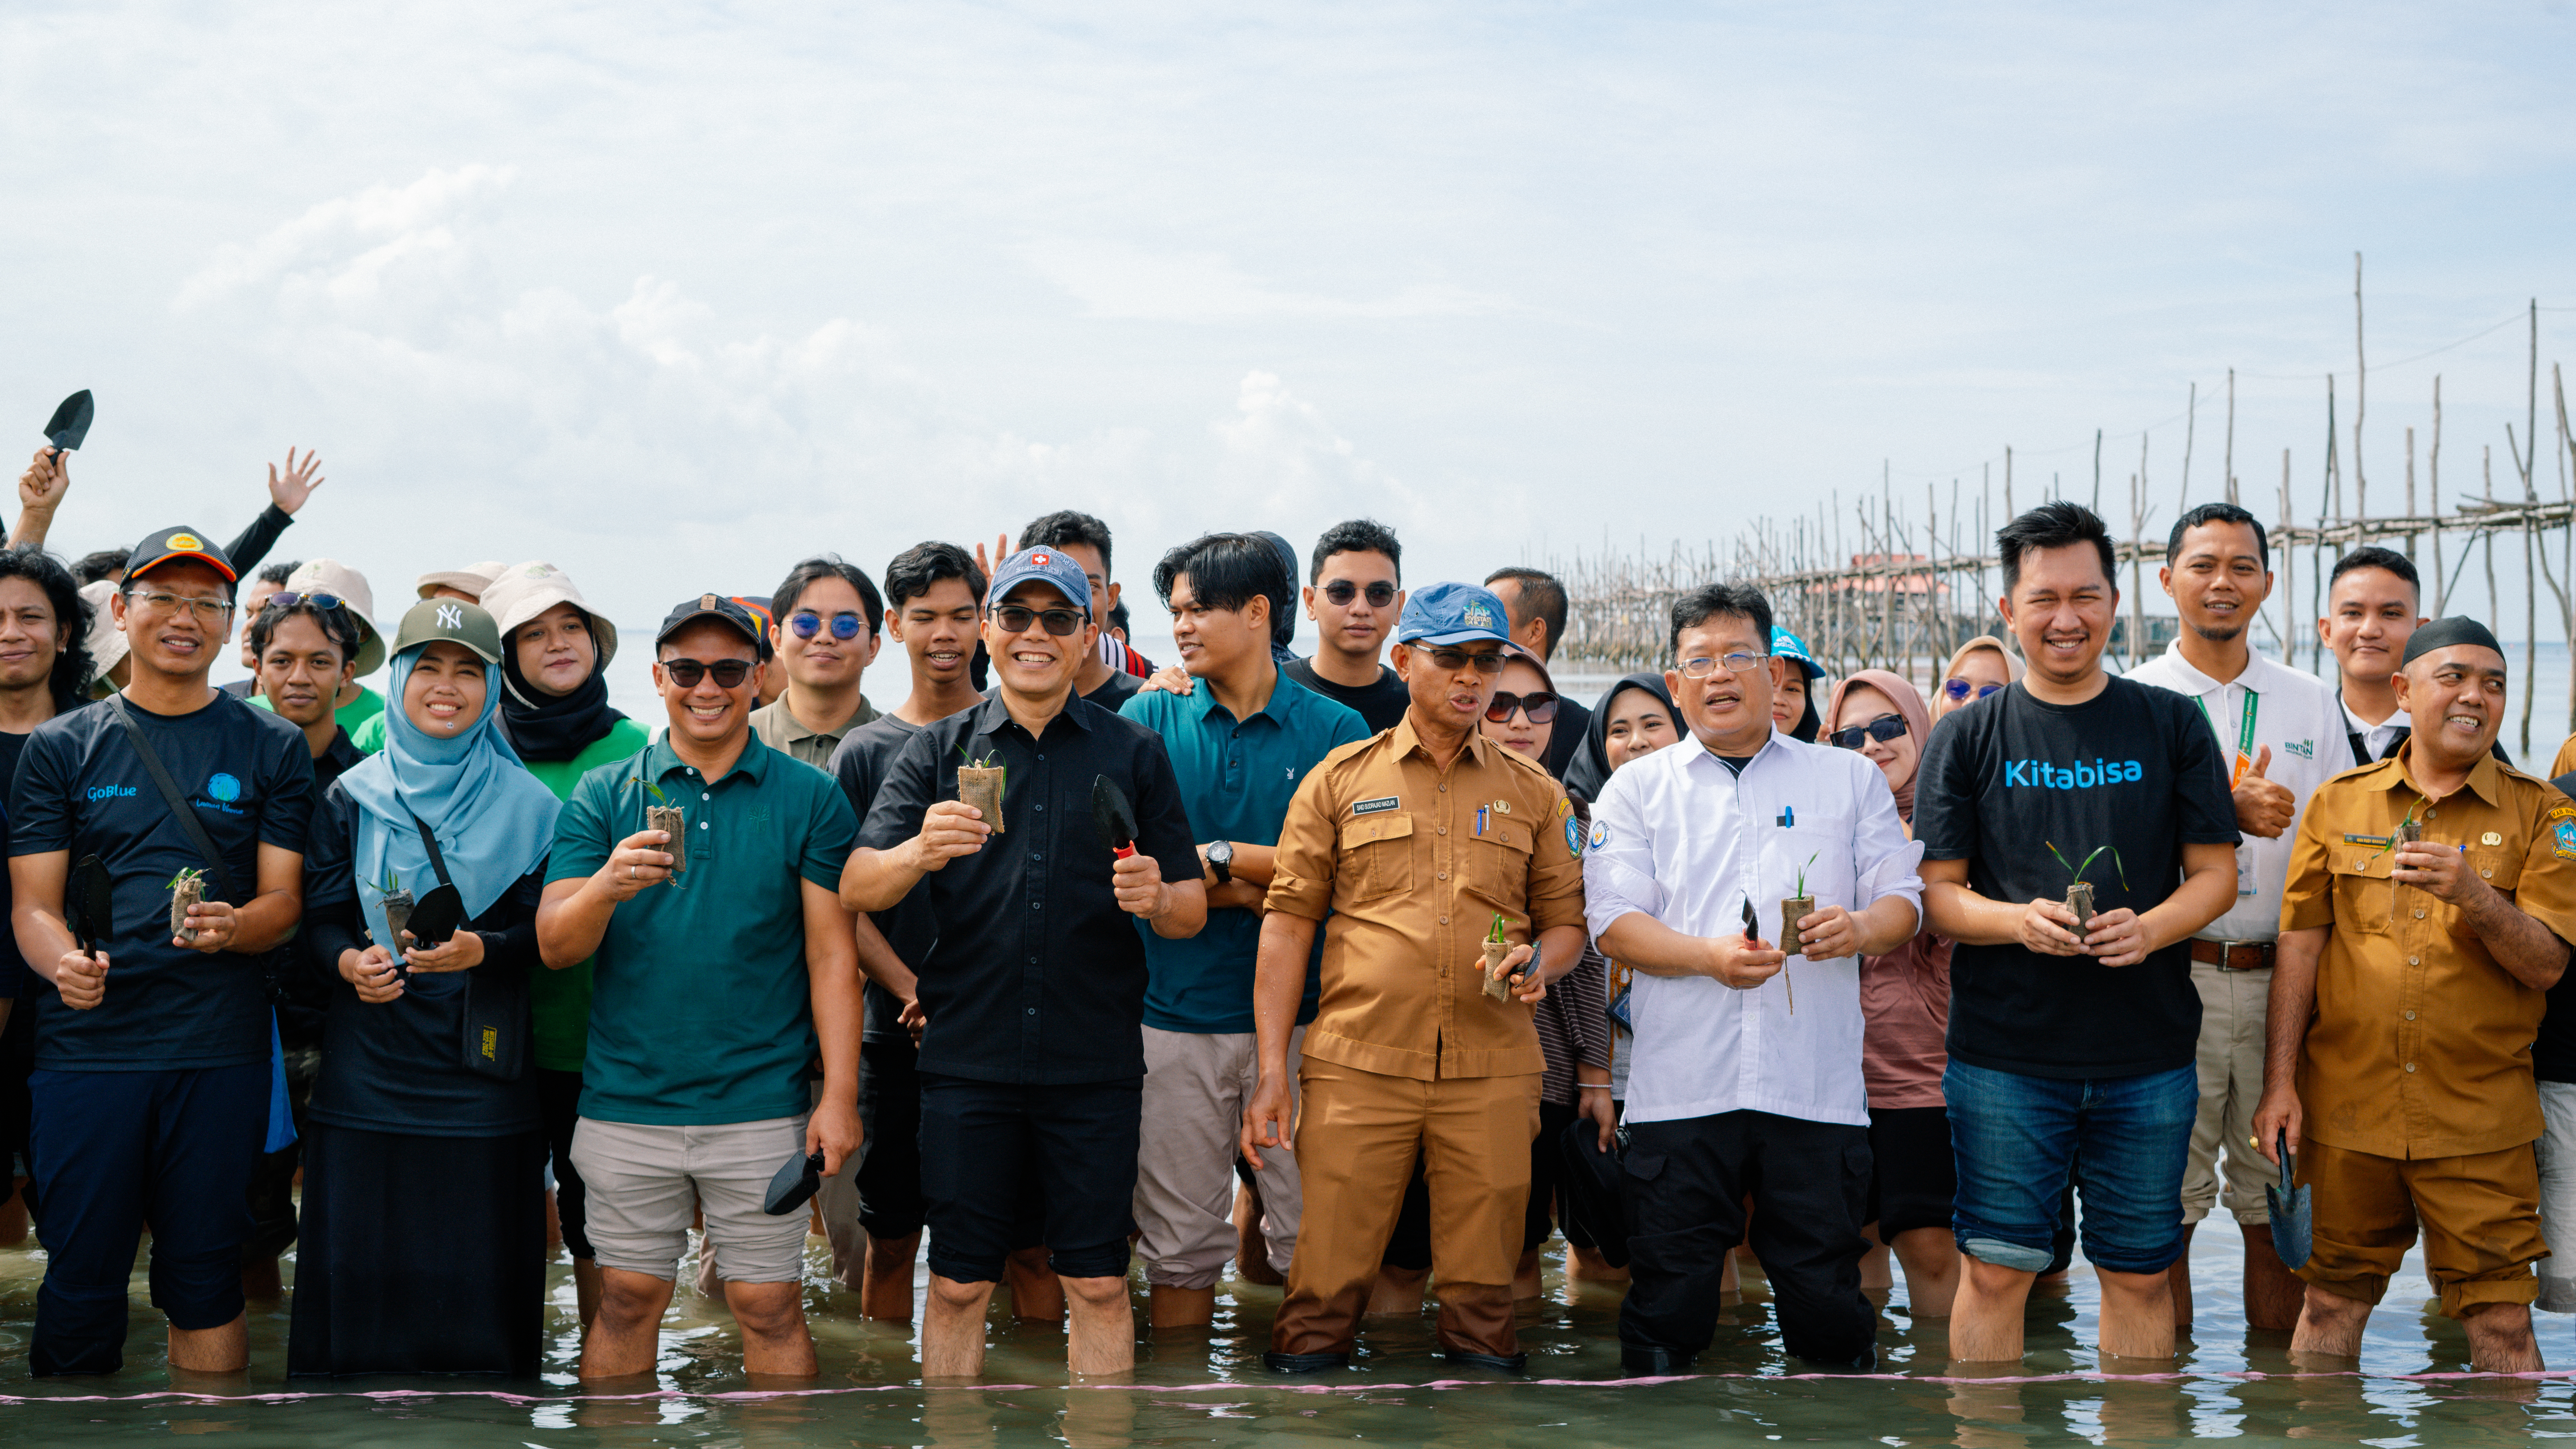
2264	807
290	489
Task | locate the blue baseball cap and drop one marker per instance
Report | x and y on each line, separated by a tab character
1789	646
1452	614
1045	565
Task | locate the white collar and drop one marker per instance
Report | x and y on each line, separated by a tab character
2195	682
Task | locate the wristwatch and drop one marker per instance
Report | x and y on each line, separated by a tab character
1220	858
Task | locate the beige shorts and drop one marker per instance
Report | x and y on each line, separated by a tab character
2233	1005
1196	1087
647	1182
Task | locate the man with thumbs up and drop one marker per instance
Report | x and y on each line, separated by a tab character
2283	735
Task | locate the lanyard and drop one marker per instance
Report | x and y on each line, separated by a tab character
2244	736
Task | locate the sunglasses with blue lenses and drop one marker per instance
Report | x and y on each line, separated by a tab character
805	624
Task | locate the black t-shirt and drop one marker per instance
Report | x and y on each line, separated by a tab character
16	981
1380	704
1037	976
1114	690
81	788
860	762
2553	1056
2135	768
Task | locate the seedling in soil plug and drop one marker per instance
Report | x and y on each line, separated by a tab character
1497	946
2079	896
397	904
979	784
665	816
1794	909
187	888
2409	831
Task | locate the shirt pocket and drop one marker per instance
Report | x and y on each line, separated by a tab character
2362	900
1498	863
2496	866
1377	855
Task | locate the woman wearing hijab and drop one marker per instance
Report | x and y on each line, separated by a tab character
1794	673
555	653
1977	668
1905	1011
423	1241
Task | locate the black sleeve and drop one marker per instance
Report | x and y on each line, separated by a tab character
910	788
2206	813
1945	794
40	797
286	817
509	927
853	768
256	540
333	922
1162	822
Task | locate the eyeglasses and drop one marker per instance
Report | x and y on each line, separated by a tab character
806	624
686	673
1882	729
210	611
1538	704
1703	667
1015	619
1958	689
284	600
1342	591
1488	662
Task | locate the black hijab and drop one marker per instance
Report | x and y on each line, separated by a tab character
550	727
1589	771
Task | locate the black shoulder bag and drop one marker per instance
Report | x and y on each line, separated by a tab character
495	1016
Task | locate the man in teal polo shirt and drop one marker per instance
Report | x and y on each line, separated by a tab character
1239	742
710	997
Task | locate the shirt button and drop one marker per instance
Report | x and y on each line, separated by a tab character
2410	1066
704	795
2482	875
1444	920
1033	960
702	825
1035	856
1041	759
1034	1011
2419	915
1444	875
2410	1016
1444	789
2414	960
2429	814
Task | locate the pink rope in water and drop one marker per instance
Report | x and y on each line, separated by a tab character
743	1395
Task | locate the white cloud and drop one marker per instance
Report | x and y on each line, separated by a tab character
1115	280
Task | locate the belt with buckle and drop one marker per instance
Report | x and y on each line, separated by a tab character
2234	955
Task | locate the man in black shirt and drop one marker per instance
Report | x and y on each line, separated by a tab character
1355	596
2072	1043
152	1076
1033	1056
1085	540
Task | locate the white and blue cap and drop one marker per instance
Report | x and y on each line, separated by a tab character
1046	565
1452	614
1786	645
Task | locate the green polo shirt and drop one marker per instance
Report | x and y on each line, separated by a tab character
699	1012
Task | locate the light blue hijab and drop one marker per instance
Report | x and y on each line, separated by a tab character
494	821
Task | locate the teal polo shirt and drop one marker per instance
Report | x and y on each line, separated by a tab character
700	1012
1236	777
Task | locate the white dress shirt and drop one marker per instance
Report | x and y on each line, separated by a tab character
2298	715
2374	737
1683	838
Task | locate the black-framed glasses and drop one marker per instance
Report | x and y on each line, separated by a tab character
1488	661
210	611
729	673
1882	729
805	624
1538	704
1958	688
1738	662
1342	591
1016	618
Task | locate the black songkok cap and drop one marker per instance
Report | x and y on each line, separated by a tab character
2445	632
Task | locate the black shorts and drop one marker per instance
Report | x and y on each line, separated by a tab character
889	1179
986	1145
1913	1176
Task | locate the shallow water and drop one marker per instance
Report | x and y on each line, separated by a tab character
1199	1387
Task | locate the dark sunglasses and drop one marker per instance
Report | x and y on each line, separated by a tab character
1884	728
1958	689
283	600
1342	591
806	624
1015	619
686	673
1488	662
1538	704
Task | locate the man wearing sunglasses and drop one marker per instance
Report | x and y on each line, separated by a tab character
714	985
1032	1061
825	636
1354	597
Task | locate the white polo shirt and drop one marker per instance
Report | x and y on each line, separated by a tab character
2297	715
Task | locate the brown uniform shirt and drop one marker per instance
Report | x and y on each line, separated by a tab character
1413	863
2420	1044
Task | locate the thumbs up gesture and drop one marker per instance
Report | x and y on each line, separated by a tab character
2264	807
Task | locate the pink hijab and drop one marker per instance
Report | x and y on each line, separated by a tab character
1909	703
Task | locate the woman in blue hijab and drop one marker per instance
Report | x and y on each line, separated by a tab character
423	1242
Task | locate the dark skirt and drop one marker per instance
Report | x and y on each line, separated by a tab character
420	1255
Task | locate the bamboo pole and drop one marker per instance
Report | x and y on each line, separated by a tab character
2433	468
2227	465
2360	396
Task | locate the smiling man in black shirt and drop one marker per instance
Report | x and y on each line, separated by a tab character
1034	1054
151	1086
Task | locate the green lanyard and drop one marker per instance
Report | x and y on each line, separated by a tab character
2244	736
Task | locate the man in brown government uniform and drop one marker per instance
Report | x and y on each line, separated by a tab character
2406	994
1414	840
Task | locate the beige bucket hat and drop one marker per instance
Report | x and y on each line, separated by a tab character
107	643
471	579
330	576
525	590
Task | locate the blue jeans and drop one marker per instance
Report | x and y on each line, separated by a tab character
2126	1139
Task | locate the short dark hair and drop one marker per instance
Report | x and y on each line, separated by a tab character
336	624
1357	535
1118	614
107	563
1227	571
1283	607
1539	596
2055	525
2372	556
915	569
1734	601
279	573
2218	513
1064	526
69	681
805	575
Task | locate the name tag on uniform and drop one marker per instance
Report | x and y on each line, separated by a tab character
2351	839
1372	807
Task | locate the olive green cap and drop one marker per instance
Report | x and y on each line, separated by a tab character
453	620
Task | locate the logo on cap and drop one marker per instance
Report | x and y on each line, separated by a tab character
185	541
706	601
450	617
1479	617
1041	560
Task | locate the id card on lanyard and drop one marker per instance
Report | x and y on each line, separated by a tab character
2236	777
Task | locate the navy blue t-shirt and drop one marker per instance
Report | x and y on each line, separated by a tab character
81	788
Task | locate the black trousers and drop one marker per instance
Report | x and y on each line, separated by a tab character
1687	1182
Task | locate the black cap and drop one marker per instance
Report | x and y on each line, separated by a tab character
181	542
2443	633
708	606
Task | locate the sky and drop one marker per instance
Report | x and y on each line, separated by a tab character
673	294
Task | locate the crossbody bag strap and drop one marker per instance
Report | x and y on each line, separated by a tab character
178	803
429	843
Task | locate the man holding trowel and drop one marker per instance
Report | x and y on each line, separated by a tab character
2429	905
